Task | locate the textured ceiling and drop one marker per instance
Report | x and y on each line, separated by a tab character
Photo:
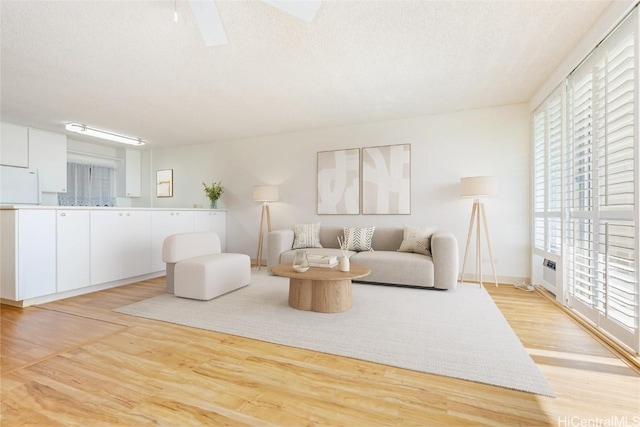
127	67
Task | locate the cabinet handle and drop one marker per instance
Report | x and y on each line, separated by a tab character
128	214
63	214
171	214
178	213
64	189
120	214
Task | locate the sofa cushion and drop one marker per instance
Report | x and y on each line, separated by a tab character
397	268
306	236
387	239
329	236
359	239
416	240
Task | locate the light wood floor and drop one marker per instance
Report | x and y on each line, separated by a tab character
74	362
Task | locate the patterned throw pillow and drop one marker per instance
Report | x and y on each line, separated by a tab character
306	236
359	239
416	240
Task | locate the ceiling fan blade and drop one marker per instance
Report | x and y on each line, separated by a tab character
302	9
209	22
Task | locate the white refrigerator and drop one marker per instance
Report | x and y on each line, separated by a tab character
19	186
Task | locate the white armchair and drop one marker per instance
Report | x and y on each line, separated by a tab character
197	268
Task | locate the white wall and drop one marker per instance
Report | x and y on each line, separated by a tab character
444	148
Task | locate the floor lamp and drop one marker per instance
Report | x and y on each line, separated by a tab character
264	194
478	187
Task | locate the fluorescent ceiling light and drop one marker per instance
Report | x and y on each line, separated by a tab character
104	134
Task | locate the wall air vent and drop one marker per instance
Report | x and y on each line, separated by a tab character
549	272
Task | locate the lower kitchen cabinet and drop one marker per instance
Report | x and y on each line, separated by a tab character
45	251
120	245
163	224
215	221
73	249
28	254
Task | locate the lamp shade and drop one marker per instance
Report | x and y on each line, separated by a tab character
265	193
478	186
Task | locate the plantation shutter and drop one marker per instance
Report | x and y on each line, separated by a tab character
539	173
554	176
601	194
580	258
616	102
547	174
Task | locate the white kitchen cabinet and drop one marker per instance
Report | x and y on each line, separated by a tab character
120	245
28	254
129	175
163	224
48	154
73	248
14	145
215	221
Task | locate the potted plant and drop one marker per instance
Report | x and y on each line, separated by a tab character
214	191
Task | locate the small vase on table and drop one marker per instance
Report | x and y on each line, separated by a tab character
301	261
214	204
343	262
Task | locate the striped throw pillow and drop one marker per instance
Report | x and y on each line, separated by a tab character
359	239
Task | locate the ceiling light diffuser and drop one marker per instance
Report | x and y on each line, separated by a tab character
104	134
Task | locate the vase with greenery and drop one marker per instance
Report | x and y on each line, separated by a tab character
214	191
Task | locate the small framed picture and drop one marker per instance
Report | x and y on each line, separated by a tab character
164	183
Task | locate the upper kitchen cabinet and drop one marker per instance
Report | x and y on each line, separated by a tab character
129	176
48	154
14	145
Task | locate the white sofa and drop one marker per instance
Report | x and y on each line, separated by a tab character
388	266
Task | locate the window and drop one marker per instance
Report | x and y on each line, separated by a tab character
600	193
585	192
547	175
89	185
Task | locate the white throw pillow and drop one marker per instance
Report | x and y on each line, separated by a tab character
306	236
417	240
359	239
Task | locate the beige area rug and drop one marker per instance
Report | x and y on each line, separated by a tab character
460	334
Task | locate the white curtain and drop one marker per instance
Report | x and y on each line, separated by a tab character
89	185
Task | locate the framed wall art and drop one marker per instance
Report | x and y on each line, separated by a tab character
386	180
339	182
164	183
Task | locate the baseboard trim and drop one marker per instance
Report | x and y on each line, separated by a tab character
628	357
80	291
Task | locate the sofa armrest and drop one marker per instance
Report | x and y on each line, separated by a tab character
278	241
444	251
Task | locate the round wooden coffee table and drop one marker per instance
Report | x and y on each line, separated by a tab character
325	290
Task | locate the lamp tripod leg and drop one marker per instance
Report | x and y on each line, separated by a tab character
266	206
478	244
469	234
486	230
260	239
